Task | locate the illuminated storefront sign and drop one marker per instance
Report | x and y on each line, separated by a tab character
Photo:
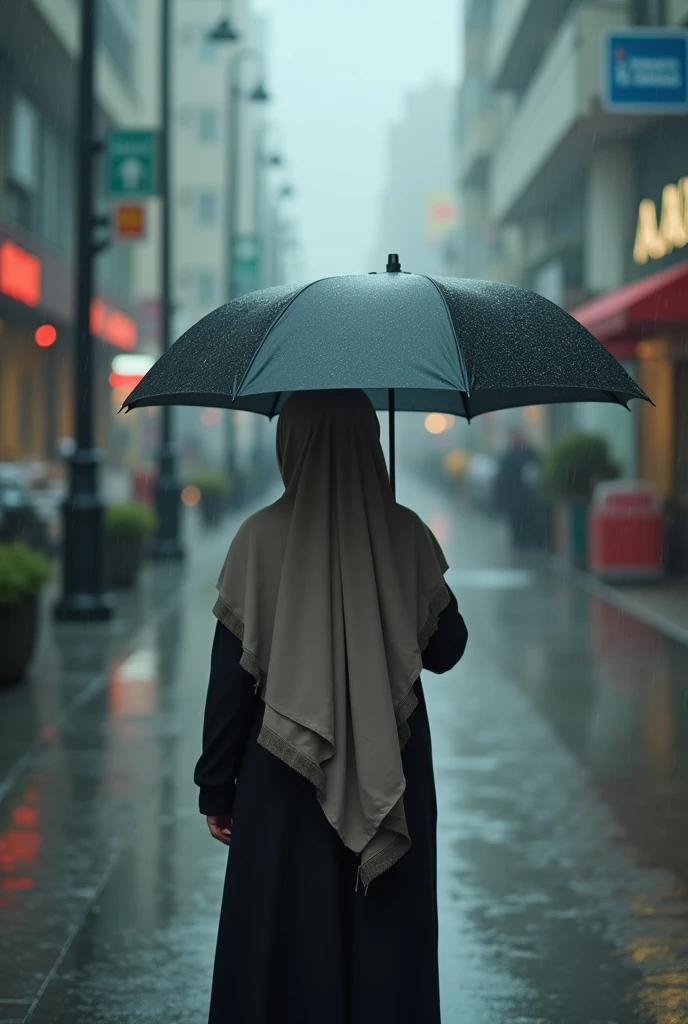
112	326
655	239
20	274
45	336
128	370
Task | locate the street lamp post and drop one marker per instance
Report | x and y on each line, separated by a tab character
166	544
265	159
257	95
277	240
84	596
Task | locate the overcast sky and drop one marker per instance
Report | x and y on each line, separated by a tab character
338	72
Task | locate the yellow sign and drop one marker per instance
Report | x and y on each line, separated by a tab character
440	216
654	240
130	221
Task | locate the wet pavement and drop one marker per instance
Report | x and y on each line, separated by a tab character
562	772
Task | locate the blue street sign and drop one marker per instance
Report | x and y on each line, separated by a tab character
645	71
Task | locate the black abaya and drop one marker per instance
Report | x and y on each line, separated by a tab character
298	941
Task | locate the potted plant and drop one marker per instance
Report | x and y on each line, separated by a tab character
23	572
572	468
128	527
214	487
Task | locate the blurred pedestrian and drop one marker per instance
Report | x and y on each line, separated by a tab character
516	494
316	763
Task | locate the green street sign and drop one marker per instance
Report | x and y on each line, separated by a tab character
131	165
245	264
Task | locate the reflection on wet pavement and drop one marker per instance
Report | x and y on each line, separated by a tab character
562	767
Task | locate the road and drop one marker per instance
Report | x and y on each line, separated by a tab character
561	763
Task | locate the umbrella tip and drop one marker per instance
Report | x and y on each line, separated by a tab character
393	264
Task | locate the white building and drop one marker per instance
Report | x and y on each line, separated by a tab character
418	210
217	84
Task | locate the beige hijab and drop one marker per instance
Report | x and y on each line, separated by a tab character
334	592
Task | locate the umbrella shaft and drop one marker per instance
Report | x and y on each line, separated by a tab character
392	459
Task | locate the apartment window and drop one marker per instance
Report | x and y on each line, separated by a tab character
208	48
207	124
207	207
55	203
205	287
22	161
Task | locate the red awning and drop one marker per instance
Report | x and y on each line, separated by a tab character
656	302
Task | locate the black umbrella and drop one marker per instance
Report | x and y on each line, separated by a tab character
413	343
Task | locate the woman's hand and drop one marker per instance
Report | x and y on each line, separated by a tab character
220	826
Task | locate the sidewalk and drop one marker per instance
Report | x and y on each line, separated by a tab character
110	884
663	605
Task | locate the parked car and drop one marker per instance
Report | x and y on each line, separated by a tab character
22	517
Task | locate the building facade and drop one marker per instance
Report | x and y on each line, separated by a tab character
39	51
595	206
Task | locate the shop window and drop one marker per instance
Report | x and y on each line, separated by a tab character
22	162
682	431
27	413
657	423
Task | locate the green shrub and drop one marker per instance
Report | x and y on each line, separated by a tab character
574	464
131	519
211	481
23	572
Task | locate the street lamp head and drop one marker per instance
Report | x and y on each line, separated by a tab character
224	32
275	160
259	94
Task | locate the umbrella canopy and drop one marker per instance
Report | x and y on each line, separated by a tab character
427	344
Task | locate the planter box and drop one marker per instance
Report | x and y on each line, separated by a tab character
124	558
571	531
18	631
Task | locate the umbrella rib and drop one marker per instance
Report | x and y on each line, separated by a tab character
273	407
618	401
459	352
273	323
464	402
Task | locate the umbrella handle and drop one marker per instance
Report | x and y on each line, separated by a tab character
392	458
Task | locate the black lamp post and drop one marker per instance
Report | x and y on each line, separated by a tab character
258	94
166	543
84	595
224	31
277	233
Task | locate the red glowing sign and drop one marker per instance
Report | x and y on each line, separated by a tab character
124	380
20	274
112	326
45	335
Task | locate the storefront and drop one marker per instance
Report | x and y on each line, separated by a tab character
646	323
37	351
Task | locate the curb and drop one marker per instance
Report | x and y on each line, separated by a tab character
597	588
